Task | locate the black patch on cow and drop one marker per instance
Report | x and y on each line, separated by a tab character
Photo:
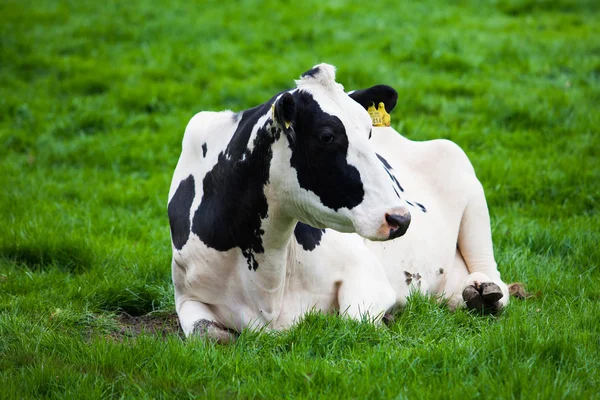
375	95
441	271
311	73
396	182
322	167
249	255
204	148
179	212
238	145
393	178
388	168
307	236
234	202
385	163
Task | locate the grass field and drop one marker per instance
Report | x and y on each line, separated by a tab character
94	97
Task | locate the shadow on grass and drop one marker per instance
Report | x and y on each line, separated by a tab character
40	255
516	8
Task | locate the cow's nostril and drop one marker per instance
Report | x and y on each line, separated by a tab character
398	224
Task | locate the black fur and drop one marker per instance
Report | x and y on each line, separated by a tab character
312	72
388	169
234	202
375	95
322	168
285	109
307	236
179	212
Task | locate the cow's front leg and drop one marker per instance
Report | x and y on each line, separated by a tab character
361	295
483	288
474	291
197	319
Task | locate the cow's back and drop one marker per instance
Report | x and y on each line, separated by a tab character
206	135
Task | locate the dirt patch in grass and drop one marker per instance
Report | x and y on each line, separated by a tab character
162	325
517	289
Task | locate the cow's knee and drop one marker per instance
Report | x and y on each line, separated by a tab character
198	320
213	331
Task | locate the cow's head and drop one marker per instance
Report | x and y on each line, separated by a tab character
336	179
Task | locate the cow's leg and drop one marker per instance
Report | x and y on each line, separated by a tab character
482	297
197	319
483	287
363	295
455	283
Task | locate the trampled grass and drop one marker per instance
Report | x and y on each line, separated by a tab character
94	97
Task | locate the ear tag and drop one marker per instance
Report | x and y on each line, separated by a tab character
287	125
375	115
386	120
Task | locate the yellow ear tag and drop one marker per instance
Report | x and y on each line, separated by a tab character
287	125
375	115
386	120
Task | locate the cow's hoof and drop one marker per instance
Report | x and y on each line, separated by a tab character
483	297
213	331
389	318
473	298
491	292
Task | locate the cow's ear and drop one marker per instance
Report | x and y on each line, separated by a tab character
285	110
375	95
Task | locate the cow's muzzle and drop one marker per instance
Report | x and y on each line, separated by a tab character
398	224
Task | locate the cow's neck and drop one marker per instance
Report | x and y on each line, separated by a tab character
266	285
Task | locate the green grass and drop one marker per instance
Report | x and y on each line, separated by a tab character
94	97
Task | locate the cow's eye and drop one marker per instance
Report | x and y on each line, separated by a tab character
370	133
326	137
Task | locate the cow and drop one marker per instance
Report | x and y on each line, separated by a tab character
300	204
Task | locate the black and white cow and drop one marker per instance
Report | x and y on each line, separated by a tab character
260	201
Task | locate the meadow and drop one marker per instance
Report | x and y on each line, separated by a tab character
94	98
